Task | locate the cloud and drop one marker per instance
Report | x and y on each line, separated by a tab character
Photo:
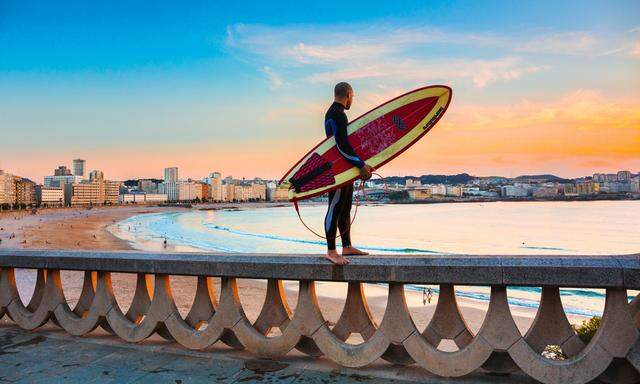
570	134
580	113
573	43
307	44
275	81
635	50
325	54
312	53
480	72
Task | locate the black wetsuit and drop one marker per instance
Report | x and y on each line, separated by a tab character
339	212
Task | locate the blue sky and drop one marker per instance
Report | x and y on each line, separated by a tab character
241	88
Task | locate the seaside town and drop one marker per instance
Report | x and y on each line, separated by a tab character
75	187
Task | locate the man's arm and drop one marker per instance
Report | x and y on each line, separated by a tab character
342	142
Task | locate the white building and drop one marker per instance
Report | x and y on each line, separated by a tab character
546	191
170	189
258	191
616	187
514	191
171	175
602	177
143	198
413	183
474	191
438	189
49	196
60	181
148	185
187	190
453	190
635	185
624	176
7	188
241	192
216	190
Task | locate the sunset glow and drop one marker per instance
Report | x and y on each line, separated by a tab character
243	91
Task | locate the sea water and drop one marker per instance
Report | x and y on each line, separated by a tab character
497	228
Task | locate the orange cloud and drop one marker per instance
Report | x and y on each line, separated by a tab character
635	51
572	134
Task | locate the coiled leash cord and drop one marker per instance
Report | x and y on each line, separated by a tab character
361	188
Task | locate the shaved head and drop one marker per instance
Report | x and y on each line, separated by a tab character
341	90
343	93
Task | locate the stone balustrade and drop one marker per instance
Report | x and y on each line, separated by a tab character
613	355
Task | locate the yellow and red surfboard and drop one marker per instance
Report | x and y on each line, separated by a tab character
378	136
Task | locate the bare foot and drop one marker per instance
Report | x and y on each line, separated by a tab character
335	258
346	251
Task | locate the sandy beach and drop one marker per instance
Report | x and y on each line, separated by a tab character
87	229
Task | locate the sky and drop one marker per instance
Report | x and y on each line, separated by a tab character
133	87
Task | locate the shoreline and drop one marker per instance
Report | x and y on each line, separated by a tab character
68	228
90	229
446	200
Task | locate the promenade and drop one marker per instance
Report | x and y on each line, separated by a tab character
393	345
50	356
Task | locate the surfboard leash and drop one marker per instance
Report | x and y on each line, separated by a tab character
361	188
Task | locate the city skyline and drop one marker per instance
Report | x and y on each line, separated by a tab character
244	87
177	174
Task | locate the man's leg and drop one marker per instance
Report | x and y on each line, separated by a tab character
331	226
344	223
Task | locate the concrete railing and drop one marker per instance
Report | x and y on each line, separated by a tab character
613	355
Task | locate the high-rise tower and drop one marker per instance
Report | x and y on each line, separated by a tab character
78	167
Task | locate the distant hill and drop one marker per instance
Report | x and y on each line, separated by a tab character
552	178
461	178
464	178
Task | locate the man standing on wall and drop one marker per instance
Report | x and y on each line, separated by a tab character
339	211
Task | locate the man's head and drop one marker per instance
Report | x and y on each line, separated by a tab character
343	94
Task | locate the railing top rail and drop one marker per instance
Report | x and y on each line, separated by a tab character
595	271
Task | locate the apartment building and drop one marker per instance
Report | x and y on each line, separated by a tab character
49	196
25	191
7	188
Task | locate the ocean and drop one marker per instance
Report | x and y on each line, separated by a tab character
495	228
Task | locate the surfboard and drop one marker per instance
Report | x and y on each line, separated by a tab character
377	136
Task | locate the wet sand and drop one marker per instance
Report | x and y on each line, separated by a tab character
87	229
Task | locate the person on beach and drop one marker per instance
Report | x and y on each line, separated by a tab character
338	215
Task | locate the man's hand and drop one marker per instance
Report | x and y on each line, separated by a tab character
365	172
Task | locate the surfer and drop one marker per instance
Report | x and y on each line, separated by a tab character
339	210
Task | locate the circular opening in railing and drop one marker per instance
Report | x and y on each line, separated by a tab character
584	308
205	302
524	304
126	287
252	293
421	300
183	289
26	282
473	304
75	284
332	297
291	290
376	295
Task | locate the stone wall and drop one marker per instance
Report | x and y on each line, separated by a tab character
613	355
